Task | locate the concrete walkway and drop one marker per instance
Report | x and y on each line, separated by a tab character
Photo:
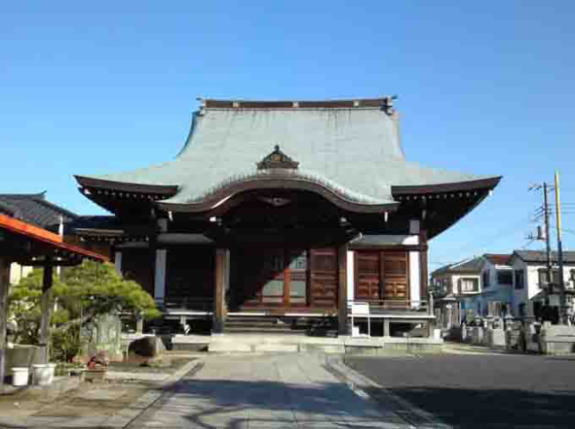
265	391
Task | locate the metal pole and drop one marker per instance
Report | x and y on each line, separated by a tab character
562	301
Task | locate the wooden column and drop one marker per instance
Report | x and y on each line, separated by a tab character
4	290
46	308
423	282
221	277
342	323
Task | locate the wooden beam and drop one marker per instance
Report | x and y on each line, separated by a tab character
343	327
4	290
221	276
46	308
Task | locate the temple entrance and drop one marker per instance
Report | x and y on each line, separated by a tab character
283	277
270	277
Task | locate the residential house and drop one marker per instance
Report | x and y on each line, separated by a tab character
453	284
531	286
497	285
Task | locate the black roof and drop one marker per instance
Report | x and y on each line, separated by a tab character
35	209
539	256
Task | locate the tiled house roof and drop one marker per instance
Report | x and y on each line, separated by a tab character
35	209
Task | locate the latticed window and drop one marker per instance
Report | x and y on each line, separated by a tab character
469	285
544	278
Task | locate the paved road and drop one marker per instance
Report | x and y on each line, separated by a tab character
481	390
265	391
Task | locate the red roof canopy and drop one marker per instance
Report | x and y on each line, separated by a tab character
47	240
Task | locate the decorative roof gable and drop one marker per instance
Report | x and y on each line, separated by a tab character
277	159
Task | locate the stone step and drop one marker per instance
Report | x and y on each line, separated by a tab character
256	330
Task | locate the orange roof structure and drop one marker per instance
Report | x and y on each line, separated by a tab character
46	239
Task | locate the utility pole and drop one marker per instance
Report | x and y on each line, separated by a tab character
547	237
562	301
547	243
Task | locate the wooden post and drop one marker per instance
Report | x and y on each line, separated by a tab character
220	278
423	281
343	327
4	290
46	308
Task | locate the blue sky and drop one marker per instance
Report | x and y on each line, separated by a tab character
484	87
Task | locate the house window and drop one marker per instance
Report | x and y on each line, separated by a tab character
519	279
468	285
543	277
505	277
485	277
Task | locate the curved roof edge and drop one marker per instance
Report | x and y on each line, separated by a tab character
223	194
112	185
469	185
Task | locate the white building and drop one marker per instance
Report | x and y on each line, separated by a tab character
530	282
494	285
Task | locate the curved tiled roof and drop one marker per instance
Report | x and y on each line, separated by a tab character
352	146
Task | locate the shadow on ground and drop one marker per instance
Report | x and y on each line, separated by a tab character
236	404
485	408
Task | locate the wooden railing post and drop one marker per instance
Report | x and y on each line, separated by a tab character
46	308
4	290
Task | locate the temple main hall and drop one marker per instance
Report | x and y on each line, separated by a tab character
289	216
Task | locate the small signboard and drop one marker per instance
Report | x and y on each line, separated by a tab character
360	308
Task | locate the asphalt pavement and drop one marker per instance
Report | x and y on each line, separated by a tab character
480	390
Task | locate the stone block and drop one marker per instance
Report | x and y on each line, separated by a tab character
229	347
150	347
276	347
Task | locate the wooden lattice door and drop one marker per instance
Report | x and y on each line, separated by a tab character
381	275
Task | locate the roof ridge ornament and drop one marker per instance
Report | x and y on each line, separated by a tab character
277	159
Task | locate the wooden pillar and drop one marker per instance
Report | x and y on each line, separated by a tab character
342	323
220	278
423	269
4	290
46	308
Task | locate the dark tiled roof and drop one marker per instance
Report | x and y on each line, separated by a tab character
467	266
538	256
35	209
498	258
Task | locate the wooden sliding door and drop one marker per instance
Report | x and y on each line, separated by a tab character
273	277
381	275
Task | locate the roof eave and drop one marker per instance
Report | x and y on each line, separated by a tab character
469	185
92	182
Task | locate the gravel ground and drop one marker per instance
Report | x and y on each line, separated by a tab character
487	390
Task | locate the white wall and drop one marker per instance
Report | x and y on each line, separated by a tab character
350	275
414	277
18	272
455	282
160	275
118	261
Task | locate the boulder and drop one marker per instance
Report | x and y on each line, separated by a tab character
149	347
